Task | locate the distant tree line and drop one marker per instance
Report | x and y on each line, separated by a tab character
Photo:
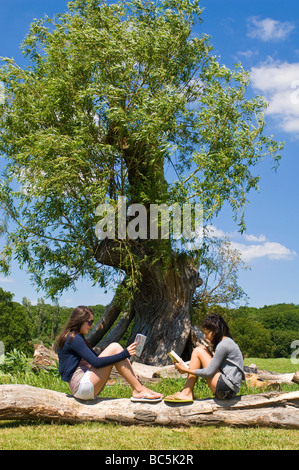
267	331
260	332
23	325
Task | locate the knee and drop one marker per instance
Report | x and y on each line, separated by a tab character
115	348
199	350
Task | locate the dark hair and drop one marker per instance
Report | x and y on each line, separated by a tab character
218	326
78	316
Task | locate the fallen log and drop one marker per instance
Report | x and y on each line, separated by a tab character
43	357
266	375
278	410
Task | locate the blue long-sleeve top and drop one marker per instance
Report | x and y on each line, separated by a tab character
74	350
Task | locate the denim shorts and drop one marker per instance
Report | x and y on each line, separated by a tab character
86	388
223	391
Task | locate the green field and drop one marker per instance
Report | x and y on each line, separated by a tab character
36	435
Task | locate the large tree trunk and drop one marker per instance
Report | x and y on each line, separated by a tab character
162	305
279	410
162	310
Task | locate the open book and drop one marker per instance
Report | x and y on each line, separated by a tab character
140	340
176	358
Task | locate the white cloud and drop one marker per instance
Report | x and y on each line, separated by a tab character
248	54
216	232
269	29
279	84
259	248
6	280
254	238
271	250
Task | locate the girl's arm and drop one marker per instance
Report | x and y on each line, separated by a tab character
78	345
214	366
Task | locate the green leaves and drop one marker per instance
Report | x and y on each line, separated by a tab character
119	99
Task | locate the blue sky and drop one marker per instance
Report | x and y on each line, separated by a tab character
263	36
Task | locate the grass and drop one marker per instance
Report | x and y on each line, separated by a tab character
282	365
96	436
36	435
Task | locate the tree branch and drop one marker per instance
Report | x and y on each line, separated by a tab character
117	332
104	324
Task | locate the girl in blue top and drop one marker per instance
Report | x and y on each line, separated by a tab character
87	373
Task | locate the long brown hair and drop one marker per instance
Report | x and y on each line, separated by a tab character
218	326
78	316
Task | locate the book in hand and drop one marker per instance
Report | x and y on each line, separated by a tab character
140	340
176	358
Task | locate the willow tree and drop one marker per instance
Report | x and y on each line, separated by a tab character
117	101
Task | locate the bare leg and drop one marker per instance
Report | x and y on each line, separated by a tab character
100	376
200	359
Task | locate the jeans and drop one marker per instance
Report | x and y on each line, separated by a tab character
223	391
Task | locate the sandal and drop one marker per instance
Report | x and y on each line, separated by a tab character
173	399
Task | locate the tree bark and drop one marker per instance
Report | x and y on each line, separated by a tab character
162	304
278	410
162	310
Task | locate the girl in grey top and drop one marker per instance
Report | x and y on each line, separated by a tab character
223	371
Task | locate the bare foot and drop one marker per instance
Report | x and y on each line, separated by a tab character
182	395
146	391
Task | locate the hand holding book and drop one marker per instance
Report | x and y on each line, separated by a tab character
182	367
179	364
132	349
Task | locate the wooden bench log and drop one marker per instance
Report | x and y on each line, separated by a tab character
24	402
